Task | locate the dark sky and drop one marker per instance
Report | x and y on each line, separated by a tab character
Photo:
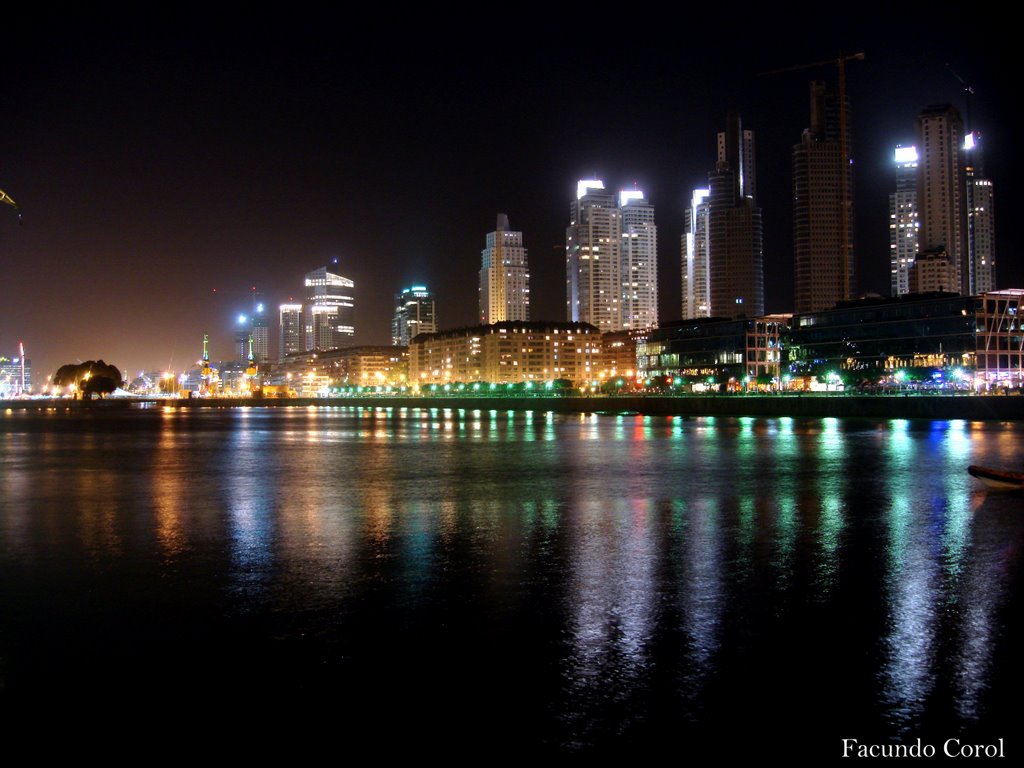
158	159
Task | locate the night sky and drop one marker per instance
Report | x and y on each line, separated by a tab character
158	159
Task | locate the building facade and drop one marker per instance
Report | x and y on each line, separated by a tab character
507	352
290	332
715	350
260	331
823	255
639	261
941	189
15	375
593	282
415	312
981	246
504	276
903	221
696	282
735	240
330	310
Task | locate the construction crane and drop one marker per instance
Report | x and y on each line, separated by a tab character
5	198
969	90
844	149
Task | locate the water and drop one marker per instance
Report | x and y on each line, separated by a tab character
449	581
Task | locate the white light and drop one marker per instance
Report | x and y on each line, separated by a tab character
241	319
905	154
259	307
584	184
969	142
699	195
630	194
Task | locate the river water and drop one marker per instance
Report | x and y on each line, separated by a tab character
448	582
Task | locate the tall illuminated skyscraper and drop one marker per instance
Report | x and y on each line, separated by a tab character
638	255
593	283
903	221
329	310
941	189
260	332
696	286
290	338
735	241
504	276
823	264
415	312
981	246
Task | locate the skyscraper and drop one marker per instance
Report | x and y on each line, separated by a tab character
638	261
260	335
823	263
593	283
980	219
290	339
504	276
415	312
735	246
903	220
243	333
941	189
329	311
696	288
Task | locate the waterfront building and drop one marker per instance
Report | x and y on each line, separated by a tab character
941	189
903	221
999	347
639	261
507	352
716	350
415	312
593	282
735	247
368	366
504	276
15	375
290	330
823	256
329	310
885	334
696	282
618	353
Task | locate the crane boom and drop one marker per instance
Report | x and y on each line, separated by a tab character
5	198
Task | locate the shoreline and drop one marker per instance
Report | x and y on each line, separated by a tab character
908	406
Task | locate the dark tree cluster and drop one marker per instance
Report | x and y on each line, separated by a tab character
93	377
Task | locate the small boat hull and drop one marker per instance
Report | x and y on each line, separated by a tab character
997	478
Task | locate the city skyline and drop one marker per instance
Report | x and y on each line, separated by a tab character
237	169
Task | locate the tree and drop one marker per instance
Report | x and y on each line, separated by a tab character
93	377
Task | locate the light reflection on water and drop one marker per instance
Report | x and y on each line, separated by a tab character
631	563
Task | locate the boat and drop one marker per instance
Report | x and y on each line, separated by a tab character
998	478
